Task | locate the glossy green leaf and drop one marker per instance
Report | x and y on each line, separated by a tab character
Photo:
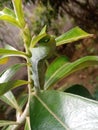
55	65
27	125
5	87
7	52
6	76
71	36
3	60
8	15
5	123
51	110
19	11
69	68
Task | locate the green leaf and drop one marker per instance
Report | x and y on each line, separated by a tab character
10	100
41	35
9	12
22	99
71	36
79	90
55	65
6	76
69	68
4	60
43	31
5	123
51	110
5	87
7	52
19	12
8	15
27	125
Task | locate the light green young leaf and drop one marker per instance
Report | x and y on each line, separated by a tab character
27	124
41	35
71	36
62	111
43	31
7	122
5	87
9	12
8	15
67	69
7	52
19	12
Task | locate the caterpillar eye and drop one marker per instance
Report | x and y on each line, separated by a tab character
45	39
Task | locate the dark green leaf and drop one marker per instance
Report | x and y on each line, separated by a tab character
5	87
79	90
69	68
51	110
95	94
71	36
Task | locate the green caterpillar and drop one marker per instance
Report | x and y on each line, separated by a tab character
43	51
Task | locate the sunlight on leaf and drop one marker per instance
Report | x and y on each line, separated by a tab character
19	12
8	15
62	111
67	69
71	36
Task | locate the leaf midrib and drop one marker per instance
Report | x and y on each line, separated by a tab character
51	112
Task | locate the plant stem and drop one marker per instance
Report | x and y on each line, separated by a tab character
26	38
